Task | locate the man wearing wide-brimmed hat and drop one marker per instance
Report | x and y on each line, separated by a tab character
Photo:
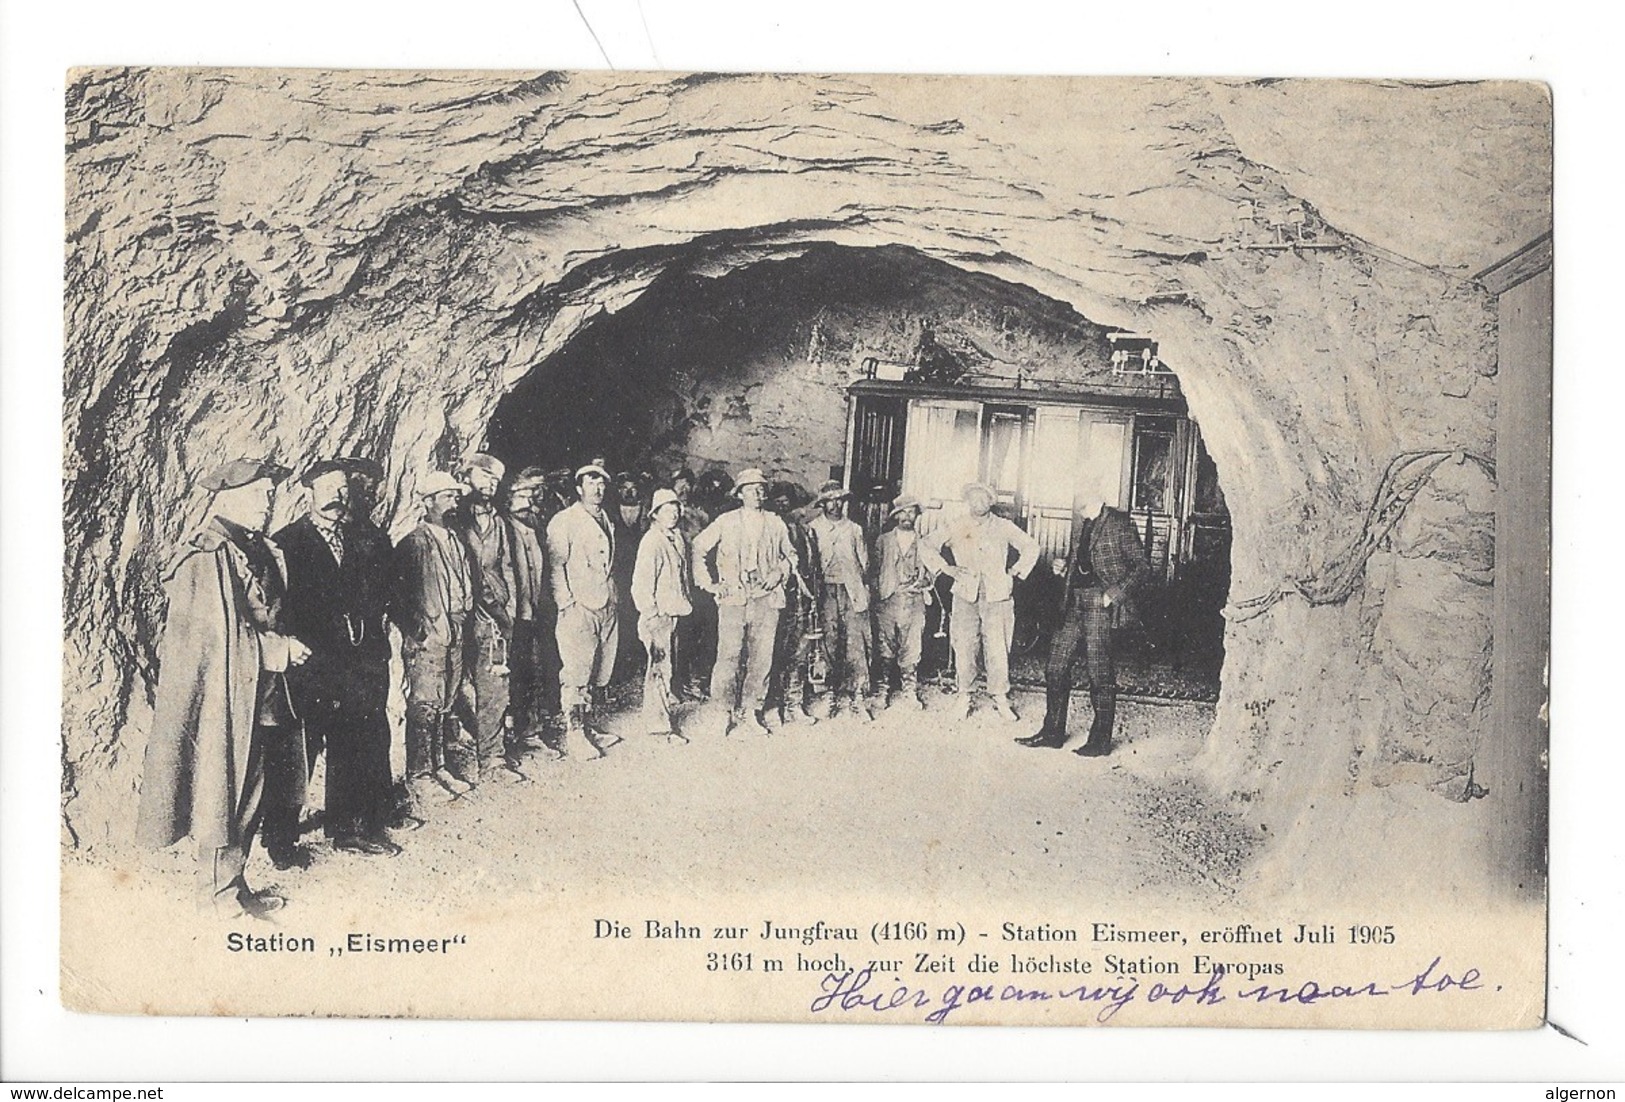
903	582
223	722
661	591
746	560
984	616
433	597
843	554
581	543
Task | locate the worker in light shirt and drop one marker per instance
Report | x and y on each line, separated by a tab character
746	560
974	550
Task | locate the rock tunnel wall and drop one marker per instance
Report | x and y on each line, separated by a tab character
307	263
751	369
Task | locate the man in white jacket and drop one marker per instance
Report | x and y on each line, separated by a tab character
660	590
581	560
746	559
984	615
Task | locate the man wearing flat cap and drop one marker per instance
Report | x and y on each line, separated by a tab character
843	552
904	585
223	722
432	600
335	605
581	544
745	559
984	615
491	553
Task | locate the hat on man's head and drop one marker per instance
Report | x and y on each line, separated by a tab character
241	472
662	498
592	468
486	462
750	476
681	474
528	479
438	482
365	468
979	488
904	502
831	491
787	491
324	466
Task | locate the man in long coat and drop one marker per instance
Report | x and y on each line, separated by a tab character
1106	565
336	605
222	717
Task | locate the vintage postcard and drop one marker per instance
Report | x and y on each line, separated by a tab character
898	550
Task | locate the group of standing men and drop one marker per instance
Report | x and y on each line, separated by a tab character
277	649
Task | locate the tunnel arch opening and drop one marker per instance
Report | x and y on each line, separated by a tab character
815	364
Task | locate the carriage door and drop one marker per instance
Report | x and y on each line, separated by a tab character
1006	435
1077	455
1057	444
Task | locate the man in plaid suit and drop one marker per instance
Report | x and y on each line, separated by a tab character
1107	563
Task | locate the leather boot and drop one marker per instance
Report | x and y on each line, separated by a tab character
597	733
908	693
1052	735
577	732
1100	730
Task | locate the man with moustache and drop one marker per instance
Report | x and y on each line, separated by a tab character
661	591
1106	565
366	477
801	632
533	661
489	540
432	600
223	723
903	584
374	548
984	615
843	552
335	605
745	559
581	561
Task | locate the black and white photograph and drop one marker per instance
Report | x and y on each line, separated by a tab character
789	548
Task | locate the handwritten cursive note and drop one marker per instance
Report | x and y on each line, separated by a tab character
858	991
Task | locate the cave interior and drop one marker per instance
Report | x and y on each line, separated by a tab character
752	366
